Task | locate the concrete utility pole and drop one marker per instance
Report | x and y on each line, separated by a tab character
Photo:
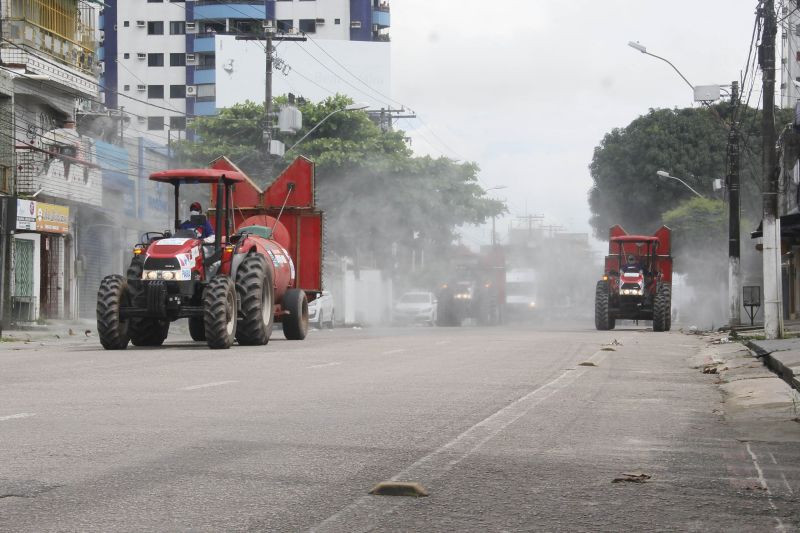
771	230
734	212
269	32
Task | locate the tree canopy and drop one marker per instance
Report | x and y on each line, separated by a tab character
377	196
688	143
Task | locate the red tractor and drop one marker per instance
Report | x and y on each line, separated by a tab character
231	286
637	283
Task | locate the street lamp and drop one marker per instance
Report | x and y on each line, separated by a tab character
641	48
665	174
349	107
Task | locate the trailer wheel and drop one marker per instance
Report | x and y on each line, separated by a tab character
295	322
219	312
111	328
256	308
197	328
661	308
602	317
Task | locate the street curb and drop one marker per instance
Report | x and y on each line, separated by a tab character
775	365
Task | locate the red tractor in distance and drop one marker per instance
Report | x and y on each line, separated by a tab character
637	282
232	286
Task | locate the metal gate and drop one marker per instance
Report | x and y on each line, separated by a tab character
48	290
22	300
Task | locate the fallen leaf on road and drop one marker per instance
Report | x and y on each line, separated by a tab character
608	349
710	369
87	332
587	363
633	477
615	342
71	332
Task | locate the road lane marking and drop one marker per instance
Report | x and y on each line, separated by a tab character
390	352
207	385
323	365
360	515
783	476
16	416
442	343
763	481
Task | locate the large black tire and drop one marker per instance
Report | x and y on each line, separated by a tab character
662	308
219	312
197	328
256	302
112	330
143	331
602	316
295	321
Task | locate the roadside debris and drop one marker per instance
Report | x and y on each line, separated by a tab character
710	369
587	363
632	477
608	349
615	342
722	340
399	488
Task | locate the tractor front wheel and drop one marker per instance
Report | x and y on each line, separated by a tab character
662	308
256	311
111	328
219	312
602	316
295	321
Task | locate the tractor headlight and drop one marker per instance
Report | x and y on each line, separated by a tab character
531	305
168	275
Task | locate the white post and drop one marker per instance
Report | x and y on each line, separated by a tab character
771	254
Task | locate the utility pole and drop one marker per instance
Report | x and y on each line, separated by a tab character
771	232
734	212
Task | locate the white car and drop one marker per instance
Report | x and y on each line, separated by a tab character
415	307
321	312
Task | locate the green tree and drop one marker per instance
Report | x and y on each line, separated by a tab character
380	201
688	143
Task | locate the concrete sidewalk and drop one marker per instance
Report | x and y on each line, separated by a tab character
782	356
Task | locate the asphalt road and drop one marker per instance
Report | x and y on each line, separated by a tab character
503	426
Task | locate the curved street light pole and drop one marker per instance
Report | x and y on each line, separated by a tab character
351	107
643	49
665	174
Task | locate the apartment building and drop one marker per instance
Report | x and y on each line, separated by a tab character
160	56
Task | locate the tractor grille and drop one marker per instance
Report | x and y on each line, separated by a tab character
161	263
157	298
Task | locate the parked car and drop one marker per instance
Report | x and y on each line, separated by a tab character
321	311
415	307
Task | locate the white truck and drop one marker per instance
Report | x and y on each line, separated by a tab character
521	290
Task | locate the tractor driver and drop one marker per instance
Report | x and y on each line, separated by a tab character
205	229
632	265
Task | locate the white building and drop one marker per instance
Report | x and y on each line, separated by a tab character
159	56
790	54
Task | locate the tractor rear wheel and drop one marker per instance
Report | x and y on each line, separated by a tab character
219	312
197	328
602	317
661	308
295	321
256	308
111	328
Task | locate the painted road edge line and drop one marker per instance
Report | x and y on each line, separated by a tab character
207	385
323	365
16	416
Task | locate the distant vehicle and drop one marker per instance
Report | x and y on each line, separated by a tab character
475	289
415	307
521	291
321	310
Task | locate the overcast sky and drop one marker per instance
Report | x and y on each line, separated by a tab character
529	89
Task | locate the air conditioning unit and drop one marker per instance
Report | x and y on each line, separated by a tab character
320	22
191	59
355	24
141	87
141	55
191	90
141	24
191	27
